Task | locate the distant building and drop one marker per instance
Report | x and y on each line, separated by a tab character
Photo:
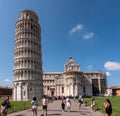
113	91
27	57
74	82
5	91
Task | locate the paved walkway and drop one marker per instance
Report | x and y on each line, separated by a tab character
54	109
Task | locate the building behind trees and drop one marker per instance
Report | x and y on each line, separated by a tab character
6	91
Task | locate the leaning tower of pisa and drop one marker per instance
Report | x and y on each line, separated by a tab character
27	57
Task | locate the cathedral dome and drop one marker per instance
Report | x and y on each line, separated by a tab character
71	65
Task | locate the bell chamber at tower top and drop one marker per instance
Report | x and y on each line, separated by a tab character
28	15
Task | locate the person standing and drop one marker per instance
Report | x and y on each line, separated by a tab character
34	104
108	107
44	105
5	105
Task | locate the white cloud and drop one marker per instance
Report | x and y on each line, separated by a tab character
89	67
112	65
88	35
108	74
7	80
79	27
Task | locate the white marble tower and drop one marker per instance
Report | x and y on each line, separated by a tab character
27	57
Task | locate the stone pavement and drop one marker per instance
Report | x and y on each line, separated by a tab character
54	109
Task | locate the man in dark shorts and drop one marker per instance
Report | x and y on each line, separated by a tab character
44	105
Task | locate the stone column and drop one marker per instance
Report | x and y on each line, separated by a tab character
65	90
15	92
59	89
91	87
45	90
27	91
69	90
99	86
55	90
76	89
21	92
72	90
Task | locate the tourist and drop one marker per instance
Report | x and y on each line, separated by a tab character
93	104
80	102
5	105
63	104
108	107
44	105
34	104
68	104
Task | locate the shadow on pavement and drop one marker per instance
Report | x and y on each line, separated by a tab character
19	115
53	114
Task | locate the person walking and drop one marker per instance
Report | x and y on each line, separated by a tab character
34	104
93	104
5	106
108	107
44	105
63	104
80	102
68	104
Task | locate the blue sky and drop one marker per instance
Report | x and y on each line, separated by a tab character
87	30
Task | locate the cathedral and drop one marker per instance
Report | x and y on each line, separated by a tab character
29	78
73	82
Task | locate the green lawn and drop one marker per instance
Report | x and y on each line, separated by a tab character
115	101
18	105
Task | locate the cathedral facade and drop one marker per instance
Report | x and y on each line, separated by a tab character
74	82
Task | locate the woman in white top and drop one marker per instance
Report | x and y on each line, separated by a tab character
68	104
93	104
